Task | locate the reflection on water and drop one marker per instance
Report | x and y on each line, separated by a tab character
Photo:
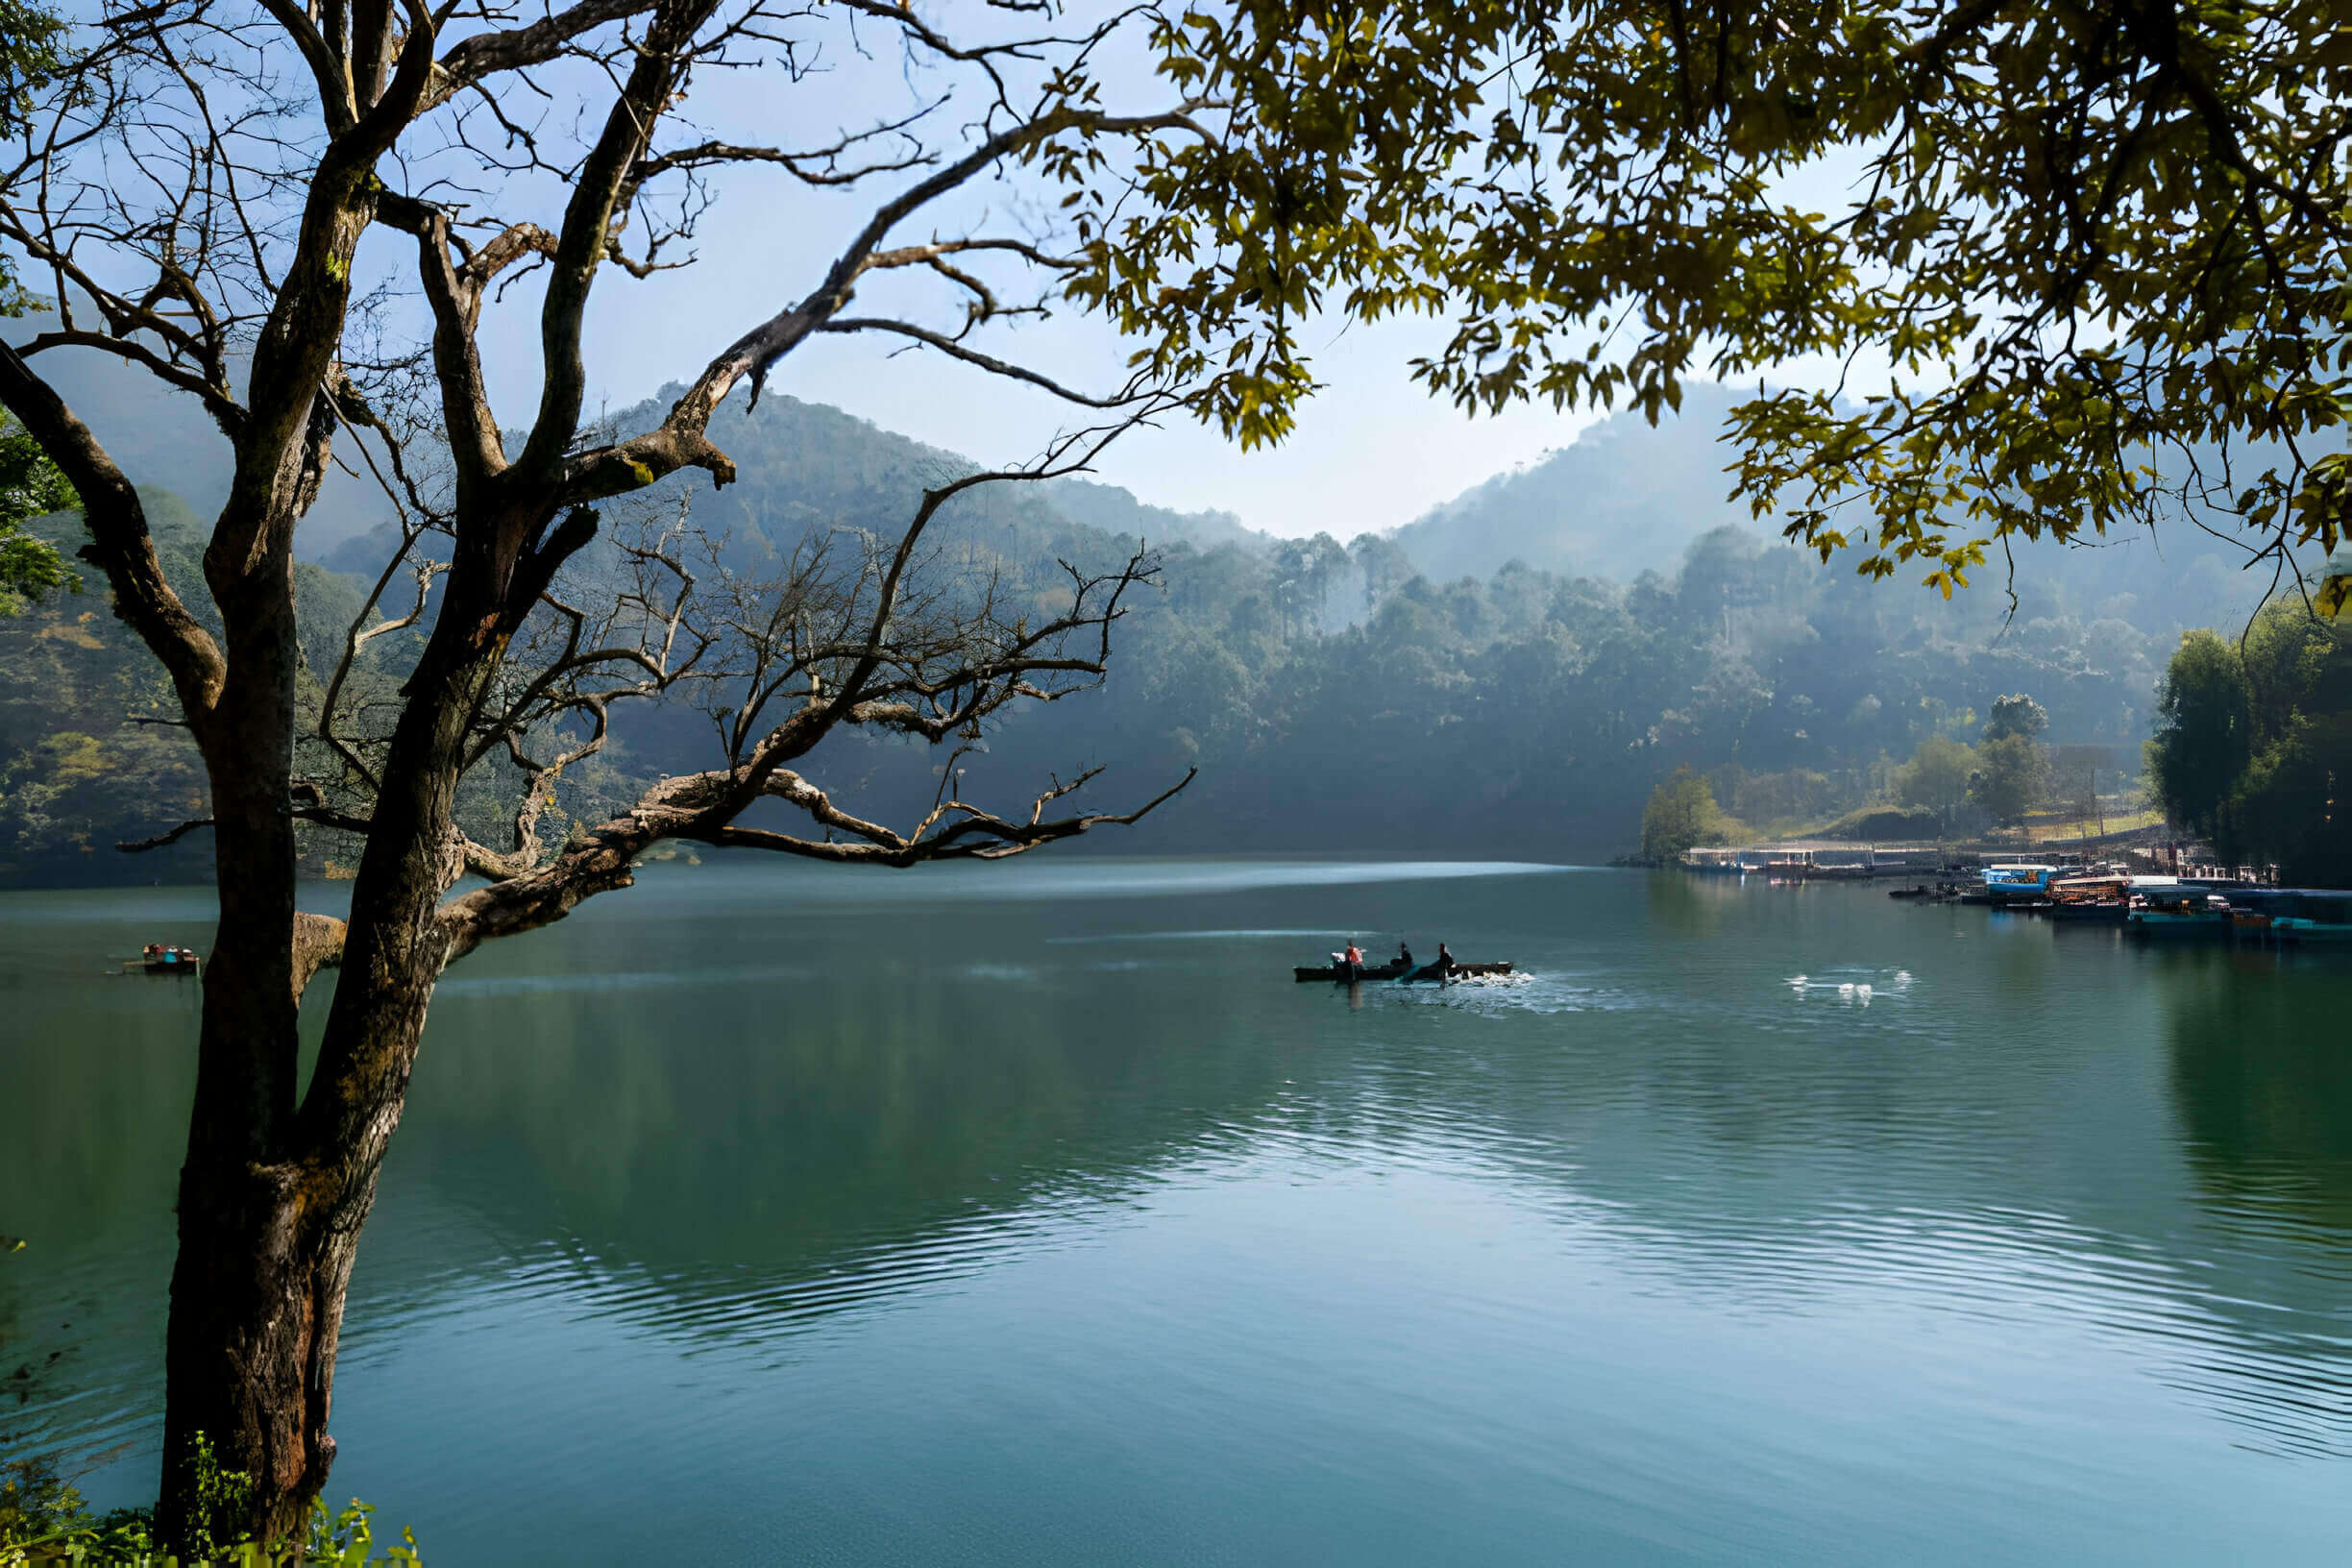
2262	1087
824	1218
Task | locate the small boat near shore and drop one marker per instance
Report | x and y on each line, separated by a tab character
158	959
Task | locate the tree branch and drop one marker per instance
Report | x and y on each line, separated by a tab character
120	546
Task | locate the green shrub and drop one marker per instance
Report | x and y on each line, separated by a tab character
45	1521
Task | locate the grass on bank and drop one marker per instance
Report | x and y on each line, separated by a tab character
43	1520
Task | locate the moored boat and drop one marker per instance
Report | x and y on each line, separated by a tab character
2018	882
2180	912
2090	912
2300	915
2300	929
2099	898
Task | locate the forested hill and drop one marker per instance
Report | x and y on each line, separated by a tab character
804	468
89	753
1333	697
1626	497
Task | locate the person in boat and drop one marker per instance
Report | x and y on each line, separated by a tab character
1445	963
1404	957
1354	960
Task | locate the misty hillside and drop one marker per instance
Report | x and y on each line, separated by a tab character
1114	510
1331	695
164	439
1621	499
1627	498
840	469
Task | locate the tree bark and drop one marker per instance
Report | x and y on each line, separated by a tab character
265	1260
273	1198
245	1293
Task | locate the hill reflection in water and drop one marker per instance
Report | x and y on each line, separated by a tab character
1046	1219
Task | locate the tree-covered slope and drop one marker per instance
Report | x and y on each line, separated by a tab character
1332	698
89	753
1626	497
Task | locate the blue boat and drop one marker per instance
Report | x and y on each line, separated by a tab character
2019	882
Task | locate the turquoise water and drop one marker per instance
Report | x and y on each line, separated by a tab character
1032	1214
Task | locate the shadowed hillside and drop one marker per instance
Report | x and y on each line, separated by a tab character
1332	697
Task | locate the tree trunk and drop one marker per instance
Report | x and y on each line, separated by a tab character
266	1249
266	1259
272	1198
256	1270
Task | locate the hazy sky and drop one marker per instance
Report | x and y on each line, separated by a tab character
1372	451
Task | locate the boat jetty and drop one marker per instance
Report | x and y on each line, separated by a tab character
1824	861
2157	894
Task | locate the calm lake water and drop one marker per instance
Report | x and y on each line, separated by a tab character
1032	1214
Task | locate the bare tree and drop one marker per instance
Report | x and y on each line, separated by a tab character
250	205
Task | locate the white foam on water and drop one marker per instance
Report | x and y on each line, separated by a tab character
1855	992
1498	994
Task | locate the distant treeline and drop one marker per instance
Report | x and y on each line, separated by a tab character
1333	697
1333	701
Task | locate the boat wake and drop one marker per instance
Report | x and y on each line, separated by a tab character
1497	994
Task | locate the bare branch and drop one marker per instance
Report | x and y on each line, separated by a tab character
139	846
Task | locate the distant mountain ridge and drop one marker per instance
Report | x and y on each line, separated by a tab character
1329	697
1114	510
1626	497
1623	499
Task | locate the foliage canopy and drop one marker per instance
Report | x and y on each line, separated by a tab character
2101	246
29	487
2012	777
1937	776
1681	813
2253	745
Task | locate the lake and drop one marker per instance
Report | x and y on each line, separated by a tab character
1032	1215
